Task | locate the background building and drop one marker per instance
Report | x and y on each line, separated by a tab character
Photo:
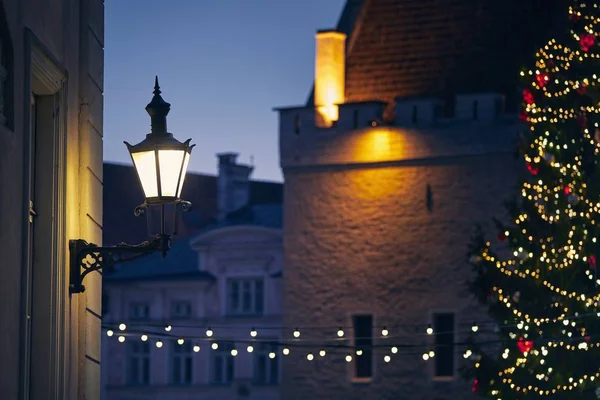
51	83
406	142
224	274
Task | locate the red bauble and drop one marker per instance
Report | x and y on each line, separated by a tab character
587	339
581	121
567	190
524	345
501	237
528	96
532	169
523	116
582	89
475	387
587	41
542	79
592	261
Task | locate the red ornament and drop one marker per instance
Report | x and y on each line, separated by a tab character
542	79
528	96
581	121
501	237
532	169
582	89
574	17
592	261
567	190
587	339
475	387
523	116
524	345
587	41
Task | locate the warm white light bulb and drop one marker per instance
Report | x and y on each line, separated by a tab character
340	332
209	332
271	355
180	341
387	359
429	330
253	332
348	358
285	351
144	338
359	352
384	332
394	350
234	352
168	328
250	349
474	328
109	333
214	346
425	356
122	327
121	339
296	333
196	349
431	354
310	357
322	353
159	344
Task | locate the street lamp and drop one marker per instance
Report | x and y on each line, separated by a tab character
160	162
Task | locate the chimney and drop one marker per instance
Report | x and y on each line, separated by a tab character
330	76
233	184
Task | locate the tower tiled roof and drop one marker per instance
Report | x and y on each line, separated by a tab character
434	47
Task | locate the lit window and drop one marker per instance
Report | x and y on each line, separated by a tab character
181	363
443	328
138	363
181	310
223	364
245	296
363	342
139	311
266	369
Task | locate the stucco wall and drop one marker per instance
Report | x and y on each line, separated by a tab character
362	240
70	33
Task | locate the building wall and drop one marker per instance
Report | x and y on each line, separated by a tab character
57	53
362	235
240	251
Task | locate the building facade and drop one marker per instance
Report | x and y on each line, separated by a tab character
51	102
408	140
225	277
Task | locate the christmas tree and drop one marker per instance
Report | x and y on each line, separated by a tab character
538	279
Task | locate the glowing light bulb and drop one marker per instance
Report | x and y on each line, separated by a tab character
121	339
348	358
109	333
310	357
234	352
285	351
271	355
122	327
387	359
209	332
214	346
180	341
249	349
340	332
359	352
429	330
384	331
474	328
253	332
322	353
196	349
168	328
431	354
394	350
159	344
425	356
144	338
296	333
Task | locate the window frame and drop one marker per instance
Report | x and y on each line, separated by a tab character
433	369
353	365
181	354
223	353
135	305
262	349
253	296
176	316
140	357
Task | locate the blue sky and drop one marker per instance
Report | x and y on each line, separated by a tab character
222	64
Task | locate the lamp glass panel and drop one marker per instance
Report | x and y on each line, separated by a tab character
183	173
145	165
170	166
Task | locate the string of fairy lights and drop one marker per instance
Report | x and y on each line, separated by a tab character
540	258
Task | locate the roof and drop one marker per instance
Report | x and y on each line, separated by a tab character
440	48
122	193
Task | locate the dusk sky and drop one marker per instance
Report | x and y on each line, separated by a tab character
222	64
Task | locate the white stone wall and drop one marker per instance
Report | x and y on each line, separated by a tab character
359	238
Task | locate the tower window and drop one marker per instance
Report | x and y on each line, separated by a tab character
443	325
363	342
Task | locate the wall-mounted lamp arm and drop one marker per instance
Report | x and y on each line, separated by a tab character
87	257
